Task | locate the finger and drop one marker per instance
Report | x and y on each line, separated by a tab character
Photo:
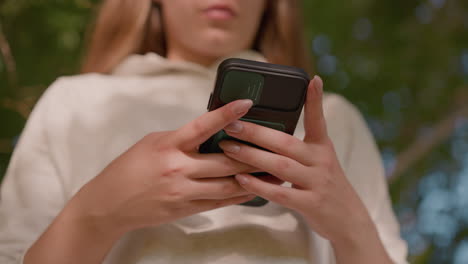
199	130
282	167
207	205
314	120
271	139
217	165
215	188
285	196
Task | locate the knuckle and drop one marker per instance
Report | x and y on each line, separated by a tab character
174	196
162	148
161	144
171	169
198	128
177	209
328	160
329	143
171	172
283	165
150	137
155	137
248	131
230	188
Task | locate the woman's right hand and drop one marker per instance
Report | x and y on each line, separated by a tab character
163	177
158	180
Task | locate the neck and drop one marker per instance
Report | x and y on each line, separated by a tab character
178	55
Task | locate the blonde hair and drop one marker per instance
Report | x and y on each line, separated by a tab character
125	27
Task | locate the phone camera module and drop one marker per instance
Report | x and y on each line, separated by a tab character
242	85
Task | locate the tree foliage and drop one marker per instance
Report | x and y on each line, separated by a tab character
403	63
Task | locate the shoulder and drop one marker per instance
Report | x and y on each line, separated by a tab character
355	146
84	83
68	95
344	123
66	88
87	91
339	111
64	82
343	118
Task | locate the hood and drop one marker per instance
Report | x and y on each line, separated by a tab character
151	64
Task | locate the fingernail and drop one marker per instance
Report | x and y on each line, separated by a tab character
229	147
234	127
242	179
318	83
242	106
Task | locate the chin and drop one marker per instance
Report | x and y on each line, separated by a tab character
220	43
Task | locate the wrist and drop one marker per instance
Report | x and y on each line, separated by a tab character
92	222
355	232
360	245
73	237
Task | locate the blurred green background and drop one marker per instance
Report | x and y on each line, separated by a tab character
403	63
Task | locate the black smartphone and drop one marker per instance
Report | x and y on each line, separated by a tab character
278	93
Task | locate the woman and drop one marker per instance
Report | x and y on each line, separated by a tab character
107	170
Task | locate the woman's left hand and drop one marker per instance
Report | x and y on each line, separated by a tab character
320	190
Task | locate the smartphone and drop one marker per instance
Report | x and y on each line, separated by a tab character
278	93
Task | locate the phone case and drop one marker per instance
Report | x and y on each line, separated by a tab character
281	77
283	86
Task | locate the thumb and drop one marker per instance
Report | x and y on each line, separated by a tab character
314	120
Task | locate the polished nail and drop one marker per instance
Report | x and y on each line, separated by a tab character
242	179
242	106
230	147
318	83
234	127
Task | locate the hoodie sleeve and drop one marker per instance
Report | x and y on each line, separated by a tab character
32	191
362	163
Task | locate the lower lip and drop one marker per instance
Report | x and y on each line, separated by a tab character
219	14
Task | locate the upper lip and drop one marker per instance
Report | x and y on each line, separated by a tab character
224	6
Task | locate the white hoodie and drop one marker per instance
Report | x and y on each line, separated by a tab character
83	122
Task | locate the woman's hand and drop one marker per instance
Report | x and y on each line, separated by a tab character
158	180
163	177
321	192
